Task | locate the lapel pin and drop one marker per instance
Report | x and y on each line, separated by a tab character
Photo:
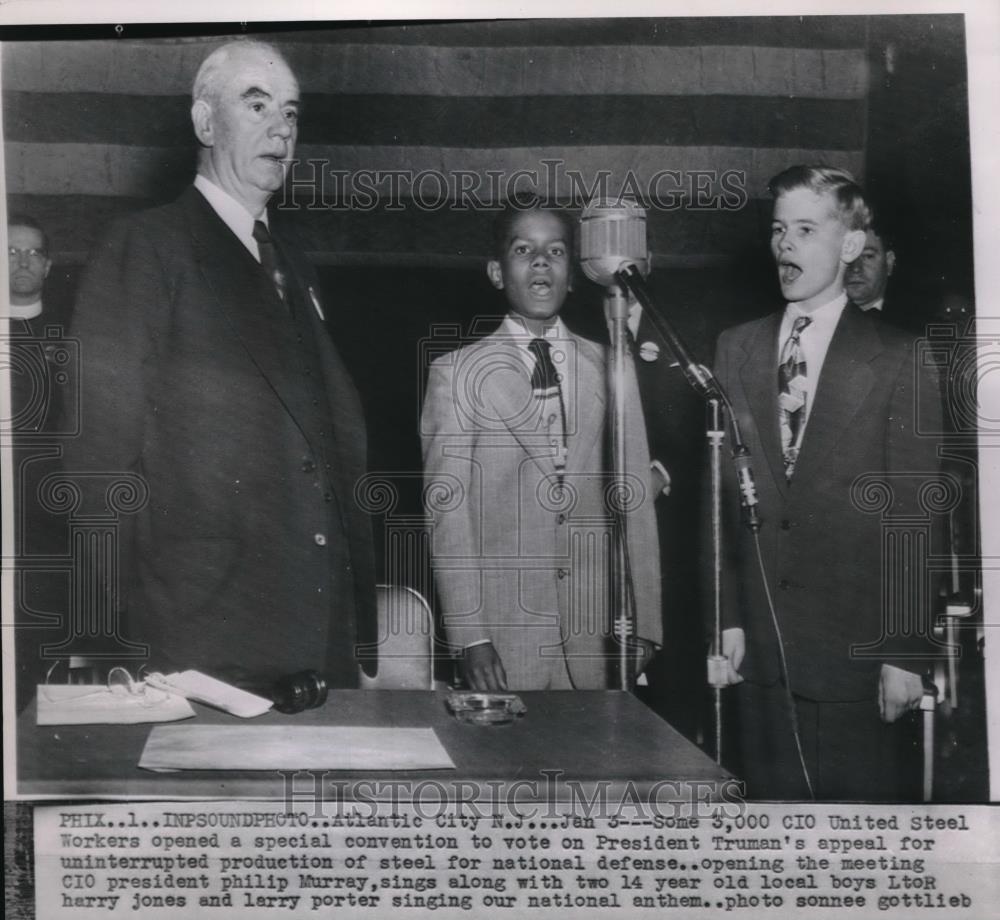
315	302
649	351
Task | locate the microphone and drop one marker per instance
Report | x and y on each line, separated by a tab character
612	235
614	254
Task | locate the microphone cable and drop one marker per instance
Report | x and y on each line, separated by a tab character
626	625
784	668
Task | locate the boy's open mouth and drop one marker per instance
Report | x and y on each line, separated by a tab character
788	272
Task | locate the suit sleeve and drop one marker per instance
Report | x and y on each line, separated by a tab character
121	308
643	532
453	496
914	474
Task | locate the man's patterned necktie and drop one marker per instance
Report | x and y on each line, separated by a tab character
793	389
269	258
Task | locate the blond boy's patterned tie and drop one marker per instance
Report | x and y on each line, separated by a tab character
793	390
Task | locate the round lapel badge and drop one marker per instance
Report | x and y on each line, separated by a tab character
649	351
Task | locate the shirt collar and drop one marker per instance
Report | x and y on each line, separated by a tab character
825	316
513	326
25	311
231	212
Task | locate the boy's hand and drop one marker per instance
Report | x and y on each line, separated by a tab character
734	648
482	668
642	651
899	691
659	479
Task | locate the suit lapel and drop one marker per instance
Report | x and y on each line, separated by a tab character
512	401
588	401
256	315
510	398
845	382
759	374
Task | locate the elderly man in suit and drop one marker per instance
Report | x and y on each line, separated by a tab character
208	371
831	403
514	452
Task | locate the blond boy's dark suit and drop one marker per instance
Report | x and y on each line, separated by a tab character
825	534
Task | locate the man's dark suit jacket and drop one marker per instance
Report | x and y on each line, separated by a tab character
251	558
675	428
824	535
42	385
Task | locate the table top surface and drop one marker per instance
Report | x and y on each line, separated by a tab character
582	739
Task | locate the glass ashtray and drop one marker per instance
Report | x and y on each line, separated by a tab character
485	708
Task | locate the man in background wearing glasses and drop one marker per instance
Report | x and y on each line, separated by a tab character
28	253
40	384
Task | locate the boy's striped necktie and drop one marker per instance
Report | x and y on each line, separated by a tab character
793	390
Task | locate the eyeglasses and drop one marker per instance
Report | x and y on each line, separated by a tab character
33	255
119	683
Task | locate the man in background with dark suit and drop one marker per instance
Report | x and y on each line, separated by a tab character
673	416
209	376
41	378
29	264
868	275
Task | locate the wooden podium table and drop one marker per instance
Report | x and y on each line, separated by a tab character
568	740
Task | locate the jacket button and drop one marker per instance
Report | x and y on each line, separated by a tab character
786	524
784	584
308	465
328	496
320	539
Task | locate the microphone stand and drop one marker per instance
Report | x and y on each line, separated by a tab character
716	662
704	382
616	310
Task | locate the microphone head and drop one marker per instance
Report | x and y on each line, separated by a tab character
612	234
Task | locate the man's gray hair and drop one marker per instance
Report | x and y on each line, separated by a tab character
206	81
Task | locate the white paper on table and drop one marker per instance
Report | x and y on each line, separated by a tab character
81	704
293	747
204	689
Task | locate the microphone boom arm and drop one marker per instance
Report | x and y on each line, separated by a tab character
702	380
699	376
